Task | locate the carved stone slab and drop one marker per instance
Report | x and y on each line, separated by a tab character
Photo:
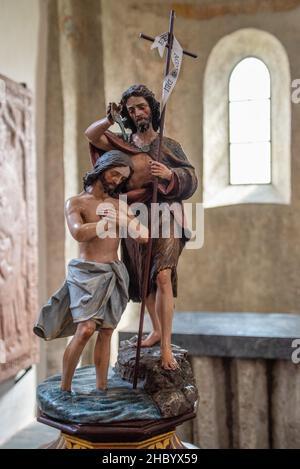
18	230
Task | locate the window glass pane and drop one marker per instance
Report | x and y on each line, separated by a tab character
249	121
250	79
250	163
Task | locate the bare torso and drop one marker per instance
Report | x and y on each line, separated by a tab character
96	249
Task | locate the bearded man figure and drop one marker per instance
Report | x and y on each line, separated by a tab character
177	181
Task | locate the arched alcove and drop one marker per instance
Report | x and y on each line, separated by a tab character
224	57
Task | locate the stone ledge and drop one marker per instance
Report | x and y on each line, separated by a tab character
239	335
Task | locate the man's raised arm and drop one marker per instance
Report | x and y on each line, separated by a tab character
95	132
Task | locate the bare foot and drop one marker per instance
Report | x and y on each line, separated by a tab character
168	361
66	390
102	386
151	339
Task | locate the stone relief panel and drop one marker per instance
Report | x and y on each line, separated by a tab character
18	230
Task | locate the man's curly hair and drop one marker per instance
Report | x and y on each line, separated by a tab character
140	90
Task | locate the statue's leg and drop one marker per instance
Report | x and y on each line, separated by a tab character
165	306
73	351
101	357
163	284
155	335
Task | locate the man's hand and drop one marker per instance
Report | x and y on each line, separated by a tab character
113	215
160	170
112	111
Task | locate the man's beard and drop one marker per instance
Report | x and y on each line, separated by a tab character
107	188
112	190
143	125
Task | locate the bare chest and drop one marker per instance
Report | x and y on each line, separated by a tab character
89	211
141	171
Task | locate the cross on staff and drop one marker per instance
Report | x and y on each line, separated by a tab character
145	285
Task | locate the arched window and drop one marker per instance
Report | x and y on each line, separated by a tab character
247	121
250	123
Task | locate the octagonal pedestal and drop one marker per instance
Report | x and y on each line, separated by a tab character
138	434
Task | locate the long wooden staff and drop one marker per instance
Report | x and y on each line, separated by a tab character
145	285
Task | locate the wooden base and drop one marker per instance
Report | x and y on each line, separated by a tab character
156	434
165	441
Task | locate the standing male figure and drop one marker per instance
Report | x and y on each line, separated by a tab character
177	181
96	288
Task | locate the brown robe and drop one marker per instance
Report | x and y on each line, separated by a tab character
183	184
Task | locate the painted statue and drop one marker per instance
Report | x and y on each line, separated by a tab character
95	292
139	112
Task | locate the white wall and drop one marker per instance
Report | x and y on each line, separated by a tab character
19	22
19	57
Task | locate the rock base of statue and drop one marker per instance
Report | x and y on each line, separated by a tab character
121	417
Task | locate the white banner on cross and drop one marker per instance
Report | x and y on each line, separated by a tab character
160	42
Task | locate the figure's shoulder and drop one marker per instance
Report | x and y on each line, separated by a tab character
170	141
75	201
174	146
